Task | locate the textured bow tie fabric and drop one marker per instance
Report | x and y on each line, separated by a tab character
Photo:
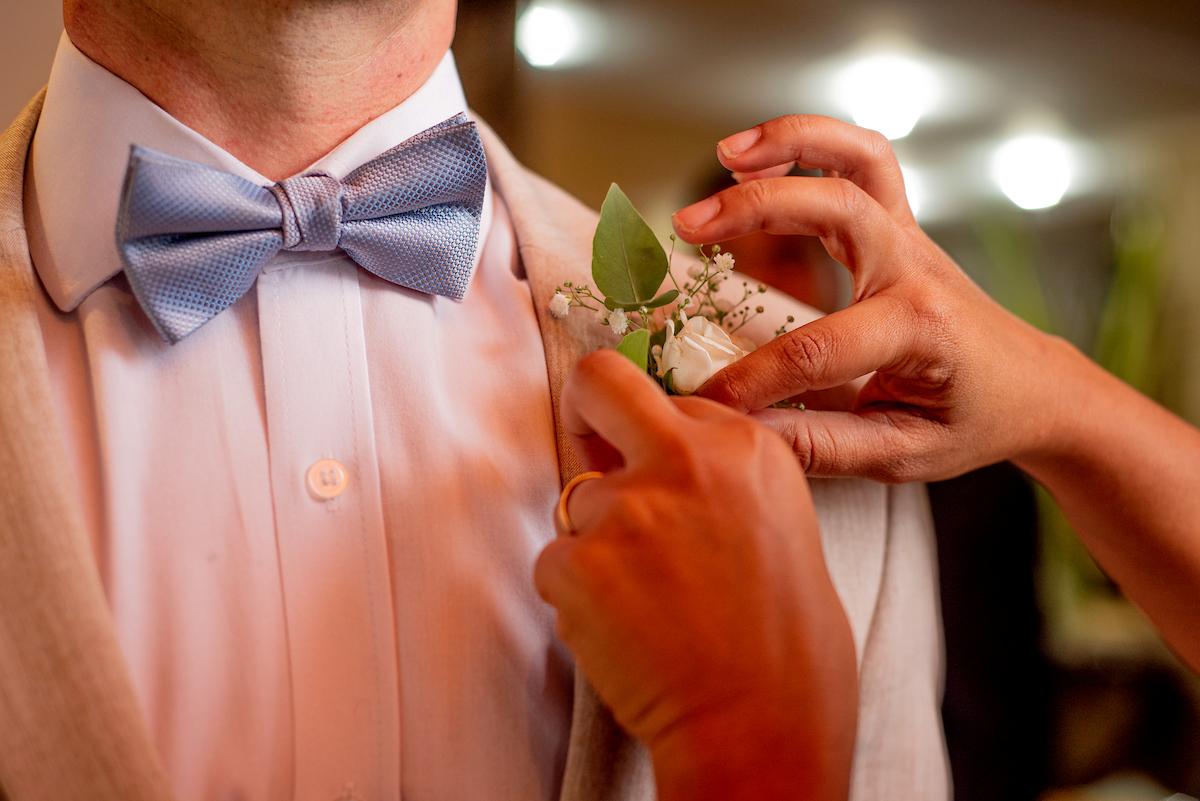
193	239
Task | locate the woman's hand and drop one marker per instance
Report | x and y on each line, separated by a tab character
695	597
957	382
954	373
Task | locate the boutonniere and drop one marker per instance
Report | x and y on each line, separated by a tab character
679	331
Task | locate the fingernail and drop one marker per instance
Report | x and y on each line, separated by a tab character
739	143
697	214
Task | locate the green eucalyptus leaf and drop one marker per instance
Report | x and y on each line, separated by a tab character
661	300
628	263
636	347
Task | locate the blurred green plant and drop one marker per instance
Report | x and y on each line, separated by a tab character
1072	586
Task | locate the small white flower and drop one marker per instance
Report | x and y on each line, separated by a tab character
560	304
723	262
618	322
700	350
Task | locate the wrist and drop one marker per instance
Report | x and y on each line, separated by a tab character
749	757
1070	406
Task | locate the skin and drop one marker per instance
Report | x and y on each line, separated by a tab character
277	83
694	594
956	382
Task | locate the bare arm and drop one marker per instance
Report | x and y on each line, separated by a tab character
956	381
1127	475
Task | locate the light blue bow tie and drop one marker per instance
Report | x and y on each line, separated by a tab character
193	238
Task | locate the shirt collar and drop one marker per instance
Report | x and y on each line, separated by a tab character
81	146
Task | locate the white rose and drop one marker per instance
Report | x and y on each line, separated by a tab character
701	349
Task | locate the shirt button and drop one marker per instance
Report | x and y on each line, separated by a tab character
327	479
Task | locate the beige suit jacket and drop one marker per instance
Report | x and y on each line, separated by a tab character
70	727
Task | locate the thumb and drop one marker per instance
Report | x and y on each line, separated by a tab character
845	444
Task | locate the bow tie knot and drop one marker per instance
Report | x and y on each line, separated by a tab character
312	211
194	238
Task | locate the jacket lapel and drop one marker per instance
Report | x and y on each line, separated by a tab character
554	233
72	728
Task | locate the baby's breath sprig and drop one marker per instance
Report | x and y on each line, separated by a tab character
570	295
704	286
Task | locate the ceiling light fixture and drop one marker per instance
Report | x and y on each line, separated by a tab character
887	92
548	35
1033	170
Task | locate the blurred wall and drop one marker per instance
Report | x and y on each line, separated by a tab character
27	41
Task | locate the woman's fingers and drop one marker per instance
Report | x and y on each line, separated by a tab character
870	335
856	230
815	142
848	444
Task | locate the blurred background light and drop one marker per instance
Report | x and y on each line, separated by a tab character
914	188
548	34
1033	170
887	92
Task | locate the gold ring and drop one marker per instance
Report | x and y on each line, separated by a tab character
560	516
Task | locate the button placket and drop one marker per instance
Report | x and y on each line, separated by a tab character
329	529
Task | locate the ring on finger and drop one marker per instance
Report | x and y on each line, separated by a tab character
562	518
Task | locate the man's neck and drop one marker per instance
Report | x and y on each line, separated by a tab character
277	84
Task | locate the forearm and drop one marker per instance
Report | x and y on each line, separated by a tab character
1127	475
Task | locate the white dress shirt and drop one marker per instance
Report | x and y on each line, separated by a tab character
316	517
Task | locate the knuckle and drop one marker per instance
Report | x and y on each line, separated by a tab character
848	198
688	461
798	439
797	128
821	451
729	389
762	445
756	194
807	352
741	435
934	312
672	434
634	513
879	147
